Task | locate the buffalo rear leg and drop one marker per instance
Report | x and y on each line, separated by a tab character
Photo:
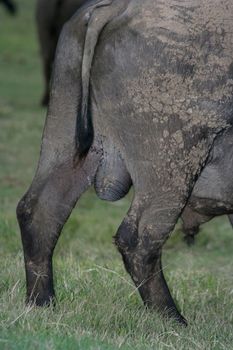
230	217
42	213
191	223
140	242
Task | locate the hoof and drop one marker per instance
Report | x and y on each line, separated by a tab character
182	321
41	301
190	240
175	315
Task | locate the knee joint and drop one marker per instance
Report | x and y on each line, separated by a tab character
126	238
24	211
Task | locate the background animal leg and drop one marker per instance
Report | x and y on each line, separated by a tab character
47	40
10	6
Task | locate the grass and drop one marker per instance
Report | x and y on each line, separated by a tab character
97	305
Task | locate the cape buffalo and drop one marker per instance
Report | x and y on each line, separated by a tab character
50	18
142	94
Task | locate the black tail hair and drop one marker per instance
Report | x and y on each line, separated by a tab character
84	128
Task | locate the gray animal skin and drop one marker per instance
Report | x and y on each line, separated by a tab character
213	192
50	18
192	220
141	93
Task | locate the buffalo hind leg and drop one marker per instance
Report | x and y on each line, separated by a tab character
230	217
42	213
191	224
140	242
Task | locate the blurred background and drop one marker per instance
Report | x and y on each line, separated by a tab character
98	307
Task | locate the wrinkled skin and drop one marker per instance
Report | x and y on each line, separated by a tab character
149	85
10	6
50	18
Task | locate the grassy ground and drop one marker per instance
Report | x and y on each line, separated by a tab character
97	307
